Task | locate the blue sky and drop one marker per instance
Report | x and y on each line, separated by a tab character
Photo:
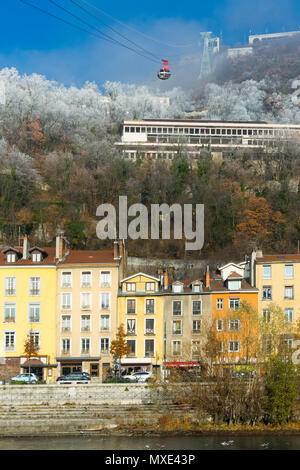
35	43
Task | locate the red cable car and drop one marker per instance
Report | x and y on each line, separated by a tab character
164	72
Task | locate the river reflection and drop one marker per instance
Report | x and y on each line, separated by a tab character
87	442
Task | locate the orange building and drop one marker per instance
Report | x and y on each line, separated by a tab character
234	314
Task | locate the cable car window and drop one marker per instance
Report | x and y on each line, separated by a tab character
244	131
207	131
213	131
186	131
175	130
202	131
138	129
153	130
223	131
143	129
191	131
249	131
197	131
180	130
218	131
170	131
239	131
148	130
159	130
132	129
165	131
228	131
233	131
126	129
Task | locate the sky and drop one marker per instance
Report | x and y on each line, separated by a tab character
34	42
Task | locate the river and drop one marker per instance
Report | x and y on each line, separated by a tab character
88	442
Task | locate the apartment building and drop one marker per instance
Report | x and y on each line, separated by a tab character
28	301
86	318
140	310
234	311
187	321
277	278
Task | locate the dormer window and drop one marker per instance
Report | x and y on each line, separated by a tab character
11	257
177	288
234	285
36	257
197	287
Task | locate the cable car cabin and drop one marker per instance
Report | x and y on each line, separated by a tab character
164	72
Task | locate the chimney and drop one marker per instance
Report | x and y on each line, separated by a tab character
207	277
25	247
166	280
116	249
61	245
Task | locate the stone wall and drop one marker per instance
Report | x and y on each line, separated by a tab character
112	394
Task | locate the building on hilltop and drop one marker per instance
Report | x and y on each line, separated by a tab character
164	138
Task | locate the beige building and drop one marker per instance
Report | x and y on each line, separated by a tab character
86	312
187	320
278	279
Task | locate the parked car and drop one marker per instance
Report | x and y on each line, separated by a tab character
140	376
75	376
25	378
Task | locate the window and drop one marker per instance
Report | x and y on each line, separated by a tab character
149	347
9	340
11	257
65	346
85	345
177	288
196	307
289	292
234	304
66	279
66	301
105	279
132	348
176	348
10	312
196	287
35	337
34	286
85	302
234	285
130	286
176	307
289	271
219	304
86	279
234	324
288	341
267	293
149	330
219	325
150	286
266	315
150	306
267	272
196	349
104	322
105	301
34	313
289	312
196	326
104	345
131	326
177	327
66	323
85	323
131	305
233	346
36	257
10	286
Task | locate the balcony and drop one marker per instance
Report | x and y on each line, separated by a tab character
66	285
86	284
10	292
66	352
34	292
105	352
66	307
85	351
177	332
10	348
196	331
65	329
149	354
149	331
85	307
104	328
105	284
86	328
131	332
34	320
9	320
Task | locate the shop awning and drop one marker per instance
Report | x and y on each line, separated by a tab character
36	363
78	359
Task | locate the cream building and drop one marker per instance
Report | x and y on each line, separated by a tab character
86	306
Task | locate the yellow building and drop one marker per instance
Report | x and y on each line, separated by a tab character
28	306
278	279
140	310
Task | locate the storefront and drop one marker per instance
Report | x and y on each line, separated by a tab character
184	370
71	364
130	365
40	367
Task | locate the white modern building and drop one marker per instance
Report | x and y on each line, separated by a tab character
164	138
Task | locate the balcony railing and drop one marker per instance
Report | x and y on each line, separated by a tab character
104	328
9	348
149	331
177	332
66	352
35	292
65	329
66	284
105	284
85	351
131	332
66	307
9	320
10	292
86	328
85	307
34	319
149	354
196	331
86	284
